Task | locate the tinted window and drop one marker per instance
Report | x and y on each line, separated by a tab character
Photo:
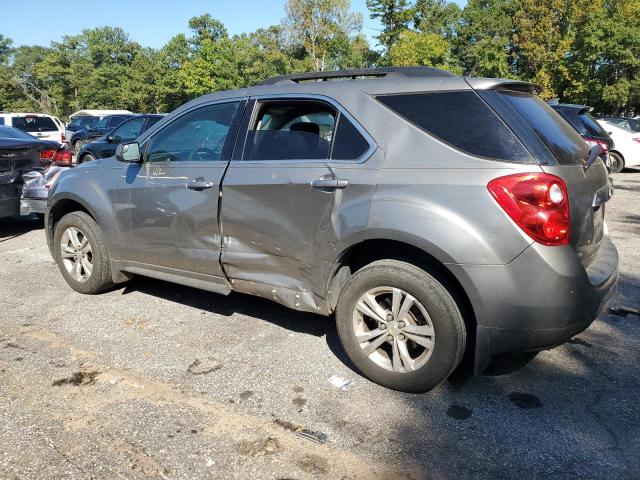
562	141
462	120
198	136
34	124
129	130
115	121
291	130
151	122
1	120
349	144
8	132
592	126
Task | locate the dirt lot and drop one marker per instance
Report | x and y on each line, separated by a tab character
154	380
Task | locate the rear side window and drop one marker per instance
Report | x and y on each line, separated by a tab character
592	126
349	144
115	121
563	142
34	124
462	120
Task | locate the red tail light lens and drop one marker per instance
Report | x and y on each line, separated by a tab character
594	141
537	202
62	157
47	155
636	139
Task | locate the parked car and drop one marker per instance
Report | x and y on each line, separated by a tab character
80	123
439	217
100	128
128	131
28	166
632	124
627	146
580	118
40	125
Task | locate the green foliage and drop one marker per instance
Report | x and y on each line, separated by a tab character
583	51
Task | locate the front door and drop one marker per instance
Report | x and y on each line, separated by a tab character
300	189
174	193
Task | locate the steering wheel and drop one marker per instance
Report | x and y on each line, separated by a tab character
213	154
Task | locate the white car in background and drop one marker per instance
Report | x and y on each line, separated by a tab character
40	125
626	152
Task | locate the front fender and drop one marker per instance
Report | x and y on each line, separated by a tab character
91	188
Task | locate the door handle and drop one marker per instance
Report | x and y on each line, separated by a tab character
329	183
199	184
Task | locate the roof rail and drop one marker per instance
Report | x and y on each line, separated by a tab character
384	72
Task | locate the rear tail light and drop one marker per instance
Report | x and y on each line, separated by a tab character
47	155
595	141
636	139
537	202
62	157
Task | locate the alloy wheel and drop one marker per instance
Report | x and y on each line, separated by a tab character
76	254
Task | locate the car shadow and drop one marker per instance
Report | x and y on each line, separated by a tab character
249	305
14	227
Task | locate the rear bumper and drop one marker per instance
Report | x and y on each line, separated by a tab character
539	300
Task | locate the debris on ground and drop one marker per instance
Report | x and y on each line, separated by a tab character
624	311
340	383
78	378
306	433
204	366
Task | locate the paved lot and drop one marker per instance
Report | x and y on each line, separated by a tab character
154	380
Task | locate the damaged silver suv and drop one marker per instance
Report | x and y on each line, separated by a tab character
440	218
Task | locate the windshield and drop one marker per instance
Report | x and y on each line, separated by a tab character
83	121
102	123
8	132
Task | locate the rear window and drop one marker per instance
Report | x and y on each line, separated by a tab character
34	124
349	144
462	120
562	141
592	126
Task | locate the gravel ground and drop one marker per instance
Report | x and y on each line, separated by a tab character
154	380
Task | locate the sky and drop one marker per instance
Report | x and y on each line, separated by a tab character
149	22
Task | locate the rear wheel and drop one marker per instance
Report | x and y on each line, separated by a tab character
616	161
81	253
77	145
400	326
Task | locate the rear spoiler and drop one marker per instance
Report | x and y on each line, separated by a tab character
503	83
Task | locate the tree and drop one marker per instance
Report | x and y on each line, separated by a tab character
422	49
394	15
207	27
316	24
484	38
437	16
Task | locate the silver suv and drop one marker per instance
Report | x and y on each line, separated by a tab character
439	218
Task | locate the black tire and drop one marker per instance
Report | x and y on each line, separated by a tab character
100	277
616	161
447	321
86	158
77	145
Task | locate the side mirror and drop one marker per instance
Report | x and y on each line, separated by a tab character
113	138
129	152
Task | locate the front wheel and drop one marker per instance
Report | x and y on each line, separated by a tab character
400	326
81	253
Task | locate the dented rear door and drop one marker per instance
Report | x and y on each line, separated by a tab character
284	221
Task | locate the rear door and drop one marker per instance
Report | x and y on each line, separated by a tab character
174	193
40	126
300	188
588	189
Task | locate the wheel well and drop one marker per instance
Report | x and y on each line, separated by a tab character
61	208
364	253
617	152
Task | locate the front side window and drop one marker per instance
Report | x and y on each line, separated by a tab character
197	136
461	119
129	130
